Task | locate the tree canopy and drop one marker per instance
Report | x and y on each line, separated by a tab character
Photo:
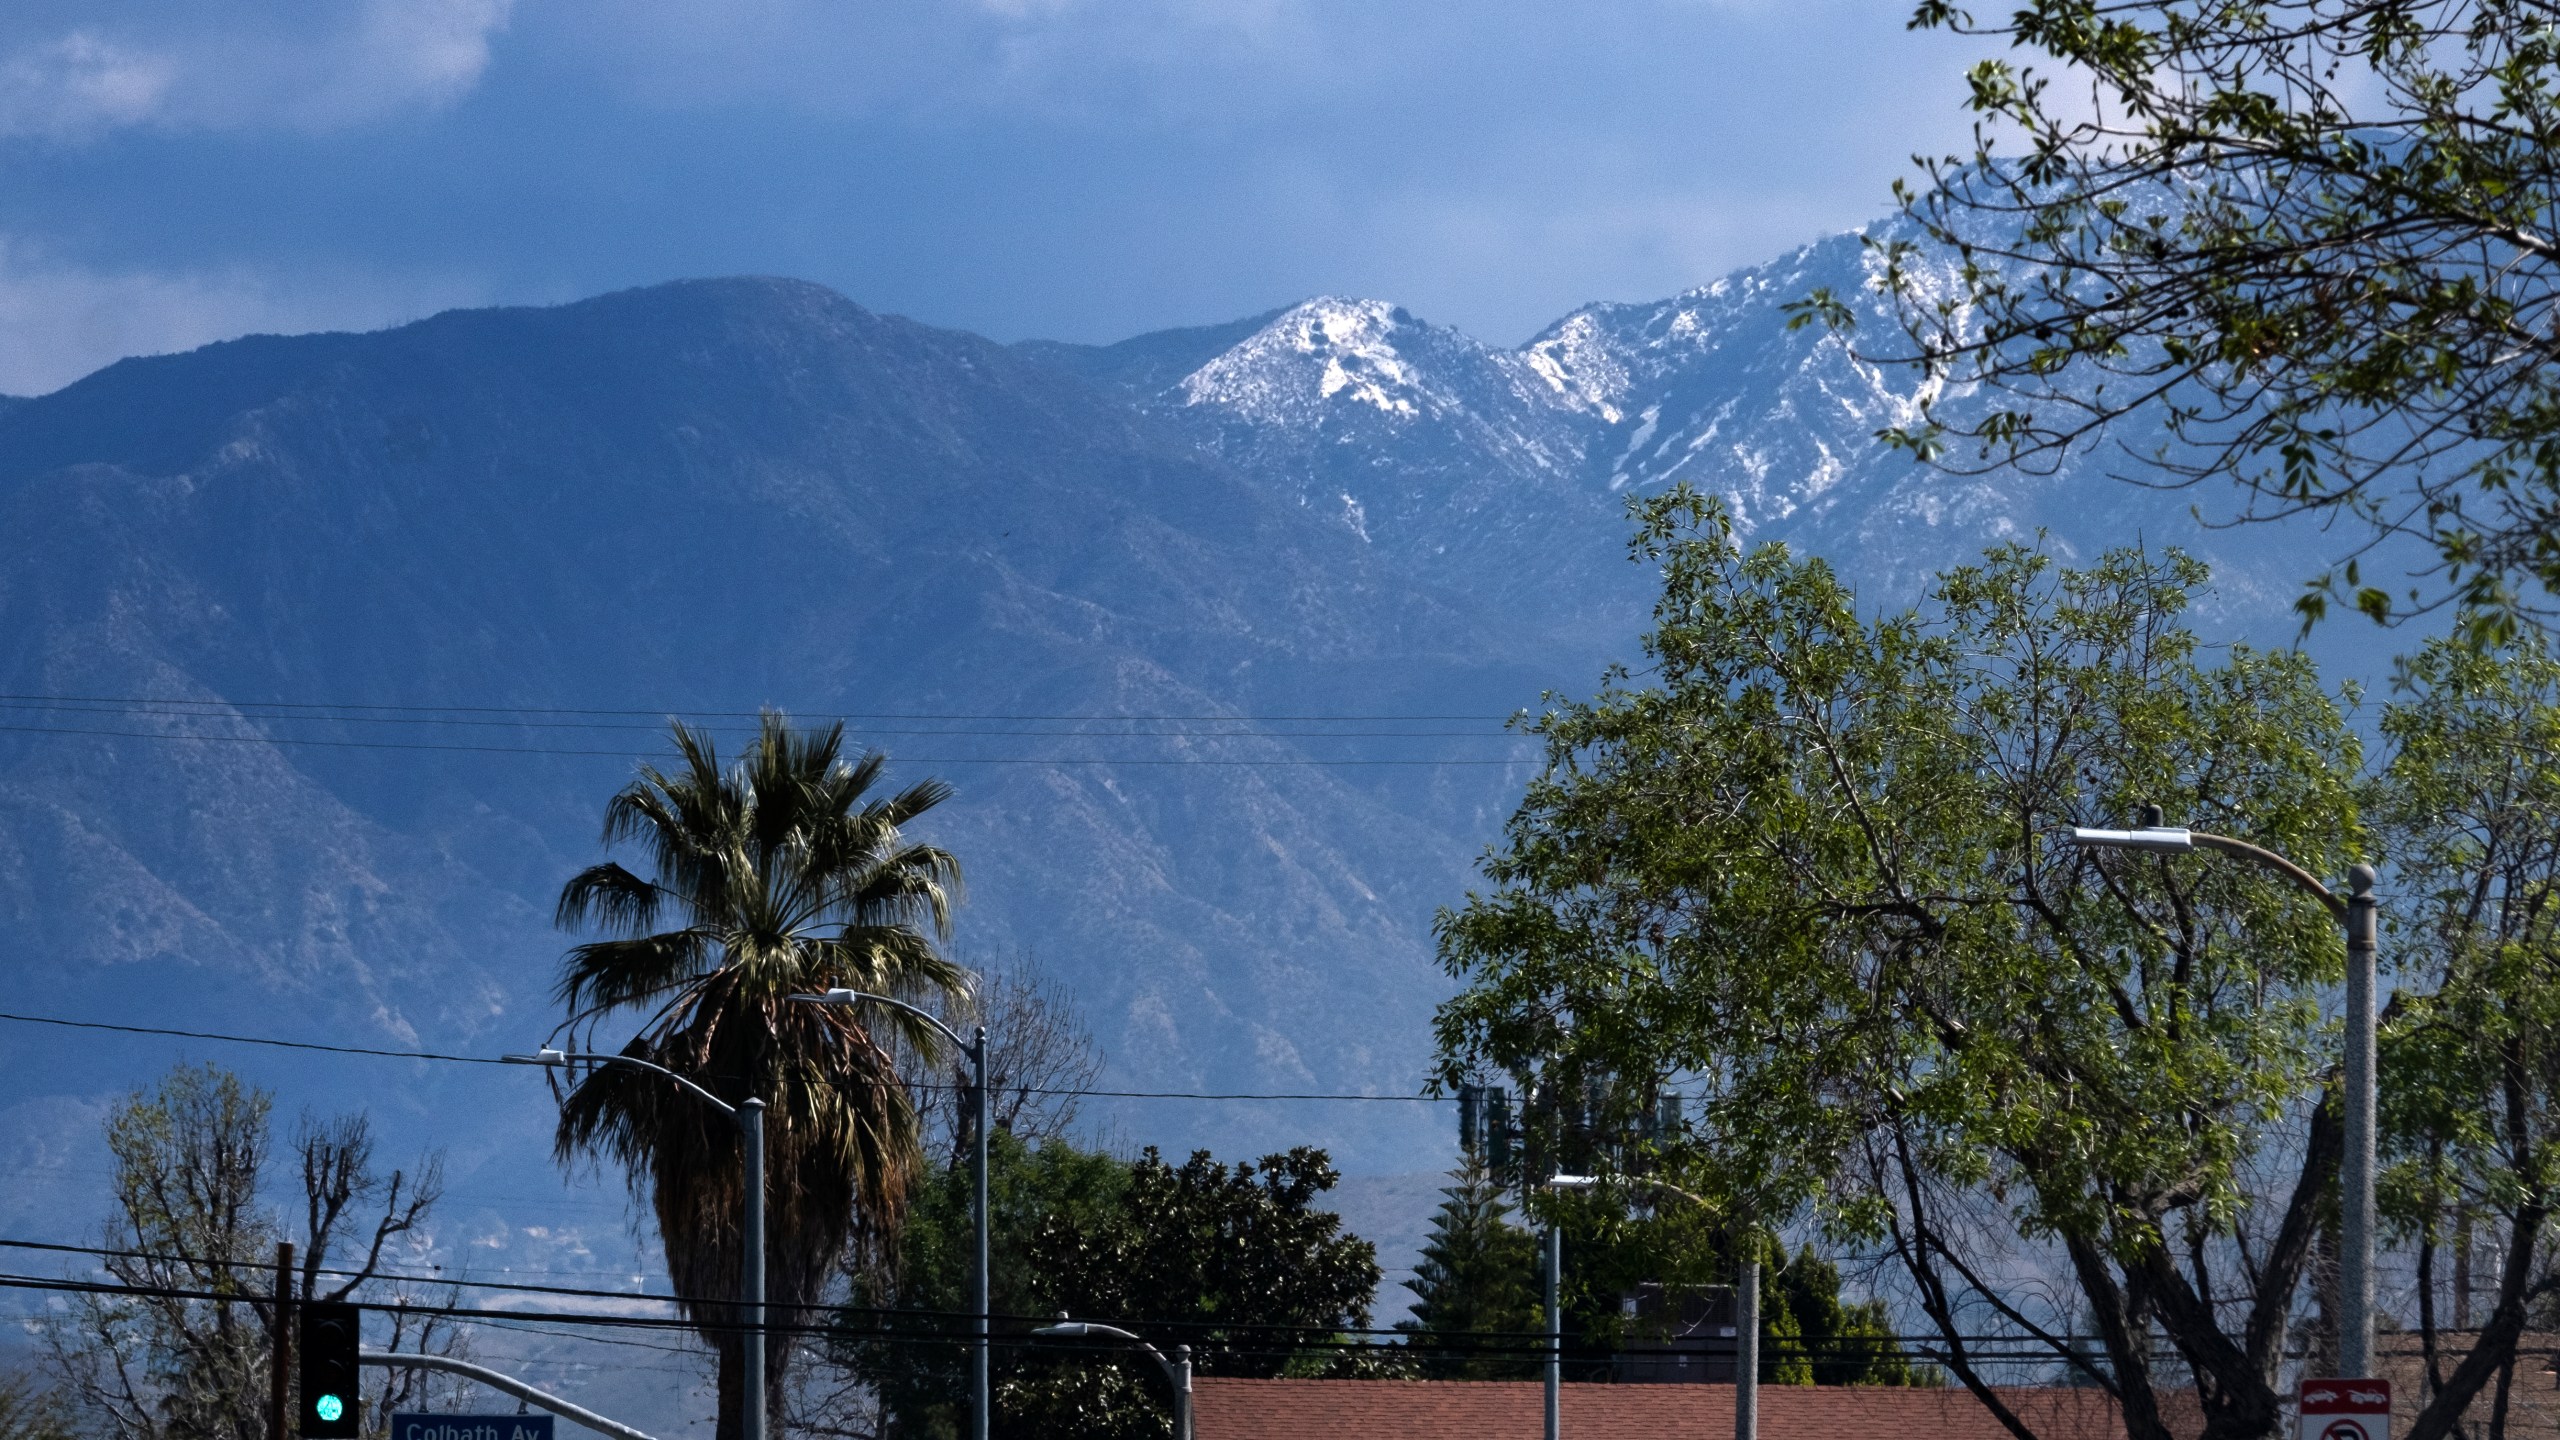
1237	1261
1809	873
2313	240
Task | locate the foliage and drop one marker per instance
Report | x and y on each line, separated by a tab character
1476	1286
184	1353
1839	1343
2468	809
2311	238
1232	1260
905	1328
1812	872
781	875
29	1411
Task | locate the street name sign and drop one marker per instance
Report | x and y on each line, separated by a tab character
411	1426
2331	1410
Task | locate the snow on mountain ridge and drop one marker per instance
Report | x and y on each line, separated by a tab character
1372	353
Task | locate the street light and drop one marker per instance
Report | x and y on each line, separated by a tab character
1177	1369
749	1115
976	1049
2357	912
1555	1301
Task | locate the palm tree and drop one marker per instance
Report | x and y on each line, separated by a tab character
779	875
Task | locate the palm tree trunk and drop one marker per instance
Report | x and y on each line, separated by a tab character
732	1378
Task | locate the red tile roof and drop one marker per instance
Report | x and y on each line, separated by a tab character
1236	1409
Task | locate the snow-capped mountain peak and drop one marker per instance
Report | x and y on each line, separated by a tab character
1328	347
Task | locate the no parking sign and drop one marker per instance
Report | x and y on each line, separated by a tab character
2346	1410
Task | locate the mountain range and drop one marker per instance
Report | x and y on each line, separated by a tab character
320	656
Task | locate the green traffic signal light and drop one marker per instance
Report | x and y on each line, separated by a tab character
331	1348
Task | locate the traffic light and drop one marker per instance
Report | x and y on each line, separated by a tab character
331	1332
1502	1137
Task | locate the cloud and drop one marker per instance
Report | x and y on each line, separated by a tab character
60	321
72	73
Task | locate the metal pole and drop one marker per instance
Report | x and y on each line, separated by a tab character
1181	1392
1555	1325
2355	1266
1746	1344
751	1132
280	1348
980	1396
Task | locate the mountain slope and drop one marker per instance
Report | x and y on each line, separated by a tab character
708	496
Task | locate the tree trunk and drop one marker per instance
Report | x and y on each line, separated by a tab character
732	1372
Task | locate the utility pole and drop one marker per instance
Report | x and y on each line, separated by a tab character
981	1391
2355	1175
750	1116
1746	1339
1555	1326
981	1398
280	1347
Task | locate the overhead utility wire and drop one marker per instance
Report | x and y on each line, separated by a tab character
259	1267
662	714
163	735
219	710
600	1056
1329	1341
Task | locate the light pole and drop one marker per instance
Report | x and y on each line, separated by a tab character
2358	913
749	1115
1746	1335
1177	1369
975	1048
1555	1303
1746	1304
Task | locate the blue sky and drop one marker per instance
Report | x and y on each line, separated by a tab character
176	171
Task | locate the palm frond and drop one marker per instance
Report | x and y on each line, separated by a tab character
606	975
608	896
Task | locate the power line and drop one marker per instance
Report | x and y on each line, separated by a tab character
1315	1336
223	710
251	1040
380	1053
664	714
639	754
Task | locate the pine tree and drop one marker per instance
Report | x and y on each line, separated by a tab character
1475	1289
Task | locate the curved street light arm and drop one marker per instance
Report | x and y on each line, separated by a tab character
855	997
2272	861
725	1107
562	1059
1177	1370
505	1384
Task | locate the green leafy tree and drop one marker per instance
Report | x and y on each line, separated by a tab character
2312	240
1235	1261
1237	1258
1841	1343
2468	808
779	875
906	1331
1476	1285
1811	872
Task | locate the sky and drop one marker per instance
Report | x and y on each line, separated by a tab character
174	172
